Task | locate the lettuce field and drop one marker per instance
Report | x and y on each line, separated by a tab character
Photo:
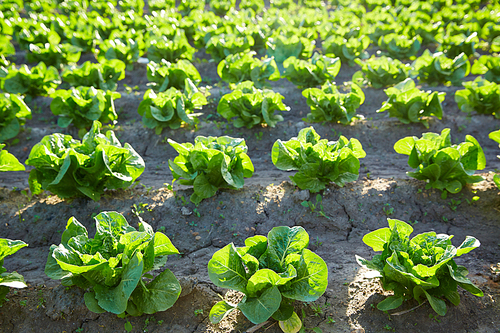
250	166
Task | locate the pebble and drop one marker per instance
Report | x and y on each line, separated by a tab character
186	211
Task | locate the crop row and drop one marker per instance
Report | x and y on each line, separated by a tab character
69	168
246	106
115	268
59	32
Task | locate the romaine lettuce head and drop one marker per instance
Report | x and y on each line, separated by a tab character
271	271
70	168
114	264
421	267
210	164
317	160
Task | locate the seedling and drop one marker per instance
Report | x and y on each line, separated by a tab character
198	312
454	204
388	210
313	206
137	210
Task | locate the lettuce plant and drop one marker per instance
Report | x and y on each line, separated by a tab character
221	7
421	268
114	267
53	55
272	272
6	47
82	105
255	5
481	96
313	72
454	45
282	47
222	45
210	164
170	49
495	136
489	66
13	115
9	162
127	51
318	162
37	81
381	72
104	75
155	5
328	104
437	68
166	75
248	106
9	280
187	6
490	31
412	105
36	32
70	168
400	46
239	67
347	49
171	108
443	166
426	30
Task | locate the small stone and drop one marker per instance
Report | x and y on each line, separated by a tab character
186	211
198	237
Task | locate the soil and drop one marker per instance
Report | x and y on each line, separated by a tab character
267	200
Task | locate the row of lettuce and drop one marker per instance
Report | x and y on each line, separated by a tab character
347	31
175	98
115	269
69	168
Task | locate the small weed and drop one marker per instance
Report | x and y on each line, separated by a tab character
137	210
79	330
434	317
36	218
161	229
445	219
454	204
23	302
41	300
146	324
258	136
148	189
196	212
412	223
317	242
160	322
313	206
389	328
128	326
184	201
474	199
388	210
198	312
192	224
222	216
27	194
318	309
